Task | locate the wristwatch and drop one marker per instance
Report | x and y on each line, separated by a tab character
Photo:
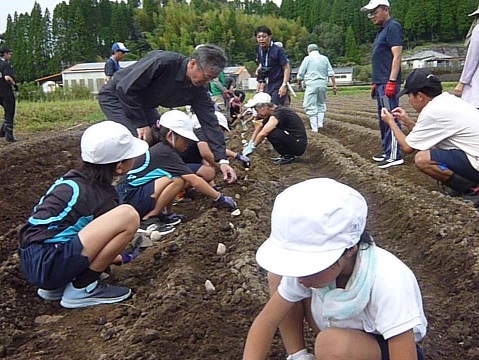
224	161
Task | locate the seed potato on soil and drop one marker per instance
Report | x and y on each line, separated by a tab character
172	316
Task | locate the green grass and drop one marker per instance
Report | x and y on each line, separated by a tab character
56	115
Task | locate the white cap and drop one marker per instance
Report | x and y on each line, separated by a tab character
373	4
475	12
119	46
259	98
180	123
222	120
312	223
108	142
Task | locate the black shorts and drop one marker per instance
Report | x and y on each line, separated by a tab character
383	344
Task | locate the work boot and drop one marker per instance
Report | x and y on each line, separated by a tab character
8	129
460	184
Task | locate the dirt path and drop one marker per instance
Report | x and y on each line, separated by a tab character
172	317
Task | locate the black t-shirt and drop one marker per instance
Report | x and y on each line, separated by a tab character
5	69
160	160
192	154
290	121
70	204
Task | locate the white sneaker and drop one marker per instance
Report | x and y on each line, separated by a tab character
51	295
390	162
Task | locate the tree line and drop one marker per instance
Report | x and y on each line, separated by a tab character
45	43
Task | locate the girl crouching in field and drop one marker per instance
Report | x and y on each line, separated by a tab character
77	229
159	175
361	301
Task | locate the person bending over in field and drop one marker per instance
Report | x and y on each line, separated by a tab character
77	229
160	174
361	301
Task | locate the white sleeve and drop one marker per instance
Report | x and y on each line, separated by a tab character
427	133
472	58
397	303
291	290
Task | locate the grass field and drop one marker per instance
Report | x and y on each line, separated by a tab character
55	115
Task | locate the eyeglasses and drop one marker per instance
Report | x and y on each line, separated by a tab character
374	13
206	77
262	36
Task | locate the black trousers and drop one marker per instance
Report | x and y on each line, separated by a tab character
8	102
285	143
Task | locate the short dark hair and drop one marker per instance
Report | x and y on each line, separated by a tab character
263	29
210	56
5	50
159	134
102	173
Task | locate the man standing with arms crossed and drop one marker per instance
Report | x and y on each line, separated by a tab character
386	78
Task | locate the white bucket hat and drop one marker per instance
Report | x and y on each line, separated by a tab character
180	123
373	4
222	120
312	223
259	98
108	142
475	12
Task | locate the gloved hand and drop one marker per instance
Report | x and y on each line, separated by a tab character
249	148
225	202
130	253
373	91
390	89
246	161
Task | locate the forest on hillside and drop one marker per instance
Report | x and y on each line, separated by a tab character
46	42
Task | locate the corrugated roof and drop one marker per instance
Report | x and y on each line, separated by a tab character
92	67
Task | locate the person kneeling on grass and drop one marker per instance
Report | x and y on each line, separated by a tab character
362	301
281	126
160	174
446	134
77	229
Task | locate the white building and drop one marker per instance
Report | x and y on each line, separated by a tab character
427	59
91	75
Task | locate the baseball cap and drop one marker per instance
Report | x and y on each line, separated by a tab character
313	47
108	142
119	46
259	98
312	223
373	4
419	79
180	123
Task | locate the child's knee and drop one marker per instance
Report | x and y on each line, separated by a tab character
422	159
328	345
129	215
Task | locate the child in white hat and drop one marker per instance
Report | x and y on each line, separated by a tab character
159	175
77	229
362	301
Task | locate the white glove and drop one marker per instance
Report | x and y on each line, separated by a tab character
301	355
249	148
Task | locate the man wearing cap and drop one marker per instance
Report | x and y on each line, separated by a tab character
315	70
168	79
112	65
446	134
281	126
361	301
386	76
274	68
7	96
468	86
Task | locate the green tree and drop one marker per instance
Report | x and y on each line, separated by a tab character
351	47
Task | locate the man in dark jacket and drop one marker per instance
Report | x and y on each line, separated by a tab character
7	97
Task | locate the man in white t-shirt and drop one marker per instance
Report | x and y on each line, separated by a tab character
446	134
361	301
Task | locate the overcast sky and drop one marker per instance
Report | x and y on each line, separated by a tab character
23	6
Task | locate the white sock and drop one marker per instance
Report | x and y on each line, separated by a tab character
313	120
320	120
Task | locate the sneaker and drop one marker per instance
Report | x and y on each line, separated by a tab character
145	224
390	162
51	295
94	294
276	158
171	219
379	157
286	159
163	229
